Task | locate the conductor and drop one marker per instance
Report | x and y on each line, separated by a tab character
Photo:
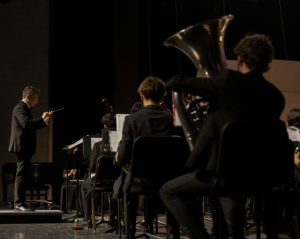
23	140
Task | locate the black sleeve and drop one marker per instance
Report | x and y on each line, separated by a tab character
26	122
125	146
198	86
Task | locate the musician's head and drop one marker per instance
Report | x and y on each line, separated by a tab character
108	121
136	107
293	117
255	53
31	95
152	91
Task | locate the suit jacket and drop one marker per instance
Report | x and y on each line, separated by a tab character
23	130
151	121
233	96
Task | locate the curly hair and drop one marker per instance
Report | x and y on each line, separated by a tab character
108	120
153	88
257	52
293	117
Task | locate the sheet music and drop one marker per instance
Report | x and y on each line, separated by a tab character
94	140
113	141
120	124
75	144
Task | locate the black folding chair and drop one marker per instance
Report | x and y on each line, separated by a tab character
105	176
255	159
155	160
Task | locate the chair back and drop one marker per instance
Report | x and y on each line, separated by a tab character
105	170
159	158
254	156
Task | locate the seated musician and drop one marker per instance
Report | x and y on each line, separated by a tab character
293	120
152	121
72	188
117	187
108	122
237	95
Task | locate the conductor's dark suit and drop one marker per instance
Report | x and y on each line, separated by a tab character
23	143
151	121
234	96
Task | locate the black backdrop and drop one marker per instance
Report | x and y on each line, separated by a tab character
82	49
81	66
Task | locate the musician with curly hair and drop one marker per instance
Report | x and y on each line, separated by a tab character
237	95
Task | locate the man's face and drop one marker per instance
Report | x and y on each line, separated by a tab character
32	100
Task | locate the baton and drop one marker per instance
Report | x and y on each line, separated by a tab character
57	110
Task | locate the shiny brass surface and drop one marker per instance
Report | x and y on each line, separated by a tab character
203	43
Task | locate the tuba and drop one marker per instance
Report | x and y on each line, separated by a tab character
203	43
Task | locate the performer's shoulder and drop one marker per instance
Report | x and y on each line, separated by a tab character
231	73
20	105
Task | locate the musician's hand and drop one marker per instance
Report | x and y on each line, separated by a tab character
117	156
47	120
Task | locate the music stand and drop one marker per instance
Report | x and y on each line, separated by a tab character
88	143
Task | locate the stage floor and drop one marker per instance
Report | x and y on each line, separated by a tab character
64	230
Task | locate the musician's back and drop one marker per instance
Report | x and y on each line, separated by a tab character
151	120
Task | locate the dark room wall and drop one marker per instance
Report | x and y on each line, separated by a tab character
162	18
81	66
24	38
104	49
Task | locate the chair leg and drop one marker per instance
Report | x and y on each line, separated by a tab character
200	209
293	209
117	226
146	212
93	212
215	215
156	222
127	205
245	220
258	205
102	206
119	218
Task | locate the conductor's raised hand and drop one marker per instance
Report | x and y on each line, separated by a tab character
47	114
